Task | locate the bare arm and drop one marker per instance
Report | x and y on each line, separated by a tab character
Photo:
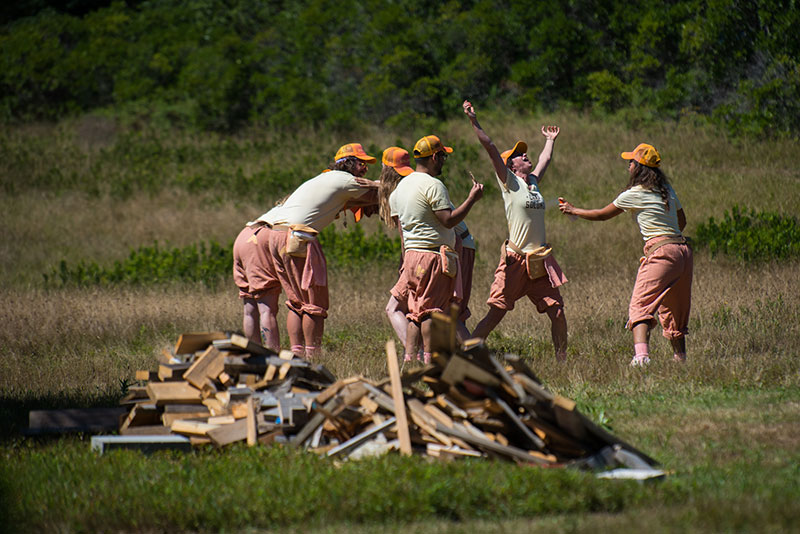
602	214
450	218
486	141
550	133
681	219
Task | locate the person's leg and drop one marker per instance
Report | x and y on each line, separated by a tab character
294	325
489	322
558	331
425	328
678	348
413	338
397	318
268	313
313	328
250	320
641	343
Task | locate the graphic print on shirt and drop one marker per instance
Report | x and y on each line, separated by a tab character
534	201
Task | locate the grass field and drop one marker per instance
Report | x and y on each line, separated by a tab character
725	424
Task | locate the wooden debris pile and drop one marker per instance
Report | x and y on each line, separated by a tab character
220	388
466	403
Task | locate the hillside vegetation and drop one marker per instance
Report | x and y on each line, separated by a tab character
222	64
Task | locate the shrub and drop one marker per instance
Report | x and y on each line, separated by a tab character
210	262
751	236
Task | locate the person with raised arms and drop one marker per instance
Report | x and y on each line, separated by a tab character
527	267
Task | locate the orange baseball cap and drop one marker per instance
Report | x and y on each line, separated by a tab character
645	154
519	148
428	146
399	159
353	150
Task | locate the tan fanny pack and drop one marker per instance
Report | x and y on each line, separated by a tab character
449	259
297	239
534	260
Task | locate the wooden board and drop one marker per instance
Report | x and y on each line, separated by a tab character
173	392
399	400
191	342
208	365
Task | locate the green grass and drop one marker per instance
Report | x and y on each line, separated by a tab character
724	425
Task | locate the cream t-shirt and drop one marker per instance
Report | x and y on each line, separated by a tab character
524	206
413	202
648	210
317	201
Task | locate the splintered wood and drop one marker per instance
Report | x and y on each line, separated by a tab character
467	403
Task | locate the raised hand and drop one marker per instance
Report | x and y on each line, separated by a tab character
468	109
550	132
477	188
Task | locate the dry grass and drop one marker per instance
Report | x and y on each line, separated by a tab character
744	322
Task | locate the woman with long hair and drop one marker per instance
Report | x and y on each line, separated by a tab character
664	280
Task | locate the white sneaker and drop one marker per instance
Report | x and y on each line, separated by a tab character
640	361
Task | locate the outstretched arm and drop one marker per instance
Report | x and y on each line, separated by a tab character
450	218
486	141
550	133
602	214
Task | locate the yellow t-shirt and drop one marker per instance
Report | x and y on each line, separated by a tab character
524	206
648	211
413	202
317	201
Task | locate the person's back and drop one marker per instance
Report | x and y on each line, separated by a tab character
318	201
414	201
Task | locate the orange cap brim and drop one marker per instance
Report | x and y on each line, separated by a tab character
403	170
627	155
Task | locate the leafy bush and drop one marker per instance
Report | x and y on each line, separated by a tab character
151	265
209	263
751	236
353	248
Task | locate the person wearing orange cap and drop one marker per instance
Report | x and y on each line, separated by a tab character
396	165
430	277
295	249
527	267
664	280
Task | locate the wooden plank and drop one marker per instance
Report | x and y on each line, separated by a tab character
247	345
489	445
458	369
532	438
284	355
146	376
316	420
425	421
191	342
187	426
74	420
226	434
168	418
173	392
252	433
397	396
208	365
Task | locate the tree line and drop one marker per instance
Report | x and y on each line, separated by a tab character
223	64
